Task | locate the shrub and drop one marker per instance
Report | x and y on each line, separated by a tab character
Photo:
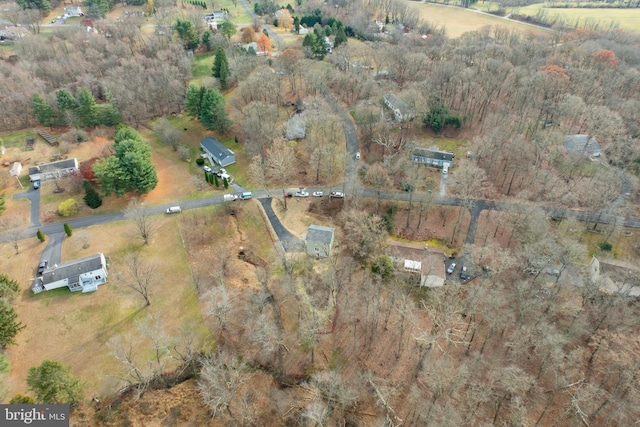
67	229
91	196
382	266
388	222
606	246
67	208
21	399
392	210
39	235
199	161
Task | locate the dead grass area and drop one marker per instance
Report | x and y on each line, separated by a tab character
78	326
300	214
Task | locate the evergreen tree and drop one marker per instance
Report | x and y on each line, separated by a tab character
9	326
91	196
39	235
3	206
9	288
42	110
341	37
130	168
206	40
65	100
220	68
213	115
67	229
108	115
193	102
215	179
87	111
225	182
187	32
53	383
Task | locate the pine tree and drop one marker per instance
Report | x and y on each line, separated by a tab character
215	178
225	182
87	111
193	102
220	68
213	114
3	207
91	196
42	110
9	326
341	37
67	229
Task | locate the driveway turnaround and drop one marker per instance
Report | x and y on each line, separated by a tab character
33	195
290	243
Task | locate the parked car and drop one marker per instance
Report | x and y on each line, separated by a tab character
463	273
42	267
445	170
451	268
207	169
36	184
337	194
174	209
358	155
302	193
318	194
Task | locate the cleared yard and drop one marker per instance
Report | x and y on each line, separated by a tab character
627	19
74	328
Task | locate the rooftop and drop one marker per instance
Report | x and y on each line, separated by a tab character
73	269
320	234
582	144
216	148
53	166
433	154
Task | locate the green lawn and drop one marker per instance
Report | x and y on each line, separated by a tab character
17	139
239	15
202	65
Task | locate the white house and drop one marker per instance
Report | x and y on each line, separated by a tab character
84	274
583	145
615	276
52	170
401	110
418	259
73	11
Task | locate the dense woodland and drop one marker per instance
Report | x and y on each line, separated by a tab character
341	345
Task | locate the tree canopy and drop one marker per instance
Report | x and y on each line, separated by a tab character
129	169
54	383
9	325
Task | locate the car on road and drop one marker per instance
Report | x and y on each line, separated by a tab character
42	267
337	194
302	193
451	268
317	194
36	184
358	155
463	273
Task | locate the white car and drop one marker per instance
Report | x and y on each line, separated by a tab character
337	194
302	194
358	155
318	194
207	169
451	268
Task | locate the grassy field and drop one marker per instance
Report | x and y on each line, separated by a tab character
239	15
458	21
627	19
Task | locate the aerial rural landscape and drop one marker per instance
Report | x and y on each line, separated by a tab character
321	213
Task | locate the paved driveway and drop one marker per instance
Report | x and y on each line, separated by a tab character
33	196
290	243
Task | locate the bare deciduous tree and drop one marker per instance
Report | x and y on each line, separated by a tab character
145	225
140	275
378	178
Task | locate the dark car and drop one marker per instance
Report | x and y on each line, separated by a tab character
42	267
463	274
288	195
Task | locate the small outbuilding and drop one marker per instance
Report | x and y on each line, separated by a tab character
217	152
319	240
16	168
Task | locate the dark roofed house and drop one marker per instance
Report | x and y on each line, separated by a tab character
84	274
432	157
319	240
217	152
53	170
583	145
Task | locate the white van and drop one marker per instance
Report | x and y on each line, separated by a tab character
445	170
174	209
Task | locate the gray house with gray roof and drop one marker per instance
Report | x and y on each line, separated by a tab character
583	145
53	170
319	240
433	157
217	152
401	110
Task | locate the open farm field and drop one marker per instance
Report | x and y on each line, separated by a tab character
458	21
626	19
